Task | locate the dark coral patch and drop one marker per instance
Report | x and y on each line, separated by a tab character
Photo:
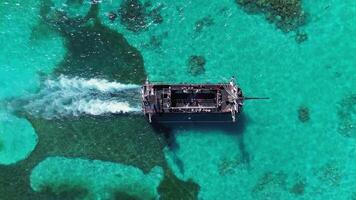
184	189
228	166
96	51
155	15
272	183
102	53
347	114
329	174
301	37
303	114
156	41
288	15
203	23
270	179
135	16
299	187
132	15
196	65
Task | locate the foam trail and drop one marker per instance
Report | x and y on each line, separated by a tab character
99	107
76	83
65	97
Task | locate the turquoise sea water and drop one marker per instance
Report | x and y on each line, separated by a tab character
61	61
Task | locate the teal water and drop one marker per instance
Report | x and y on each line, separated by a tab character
62	60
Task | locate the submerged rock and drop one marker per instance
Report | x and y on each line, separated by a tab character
196	65
288	15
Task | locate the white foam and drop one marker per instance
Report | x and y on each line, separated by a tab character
66	96
99	107
76	83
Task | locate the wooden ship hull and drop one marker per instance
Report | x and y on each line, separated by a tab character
191	102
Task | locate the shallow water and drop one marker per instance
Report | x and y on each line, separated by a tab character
69	121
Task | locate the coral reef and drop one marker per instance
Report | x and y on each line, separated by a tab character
136	17
274	183
156	41
301	37
330	174
347	113
303	114
132	15
228	166
270	178
196	65
299	187
288	15
203	23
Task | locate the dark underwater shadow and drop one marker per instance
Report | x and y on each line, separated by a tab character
229	128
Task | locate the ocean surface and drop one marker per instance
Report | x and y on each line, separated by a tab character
70	120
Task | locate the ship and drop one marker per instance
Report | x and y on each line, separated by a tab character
220	102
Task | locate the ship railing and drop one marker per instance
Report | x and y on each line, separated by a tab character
193	107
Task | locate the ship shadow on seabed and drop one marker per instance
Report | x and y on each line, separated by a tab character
230	128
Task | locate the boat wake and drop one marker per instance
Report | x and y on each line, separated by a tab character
65	97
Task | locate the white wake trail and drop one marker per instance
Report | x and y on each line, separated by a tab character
65	97
76	83
100	107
